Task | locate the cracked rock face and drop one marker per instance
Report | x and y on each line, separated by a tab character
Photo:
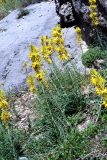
79	11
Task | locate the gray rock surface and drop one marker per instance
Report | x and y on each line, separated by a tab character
17	34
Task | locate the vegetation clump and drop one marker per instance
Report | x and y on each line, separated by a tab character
94	53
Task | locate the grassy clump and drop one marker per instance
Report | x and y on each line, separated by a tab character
93	54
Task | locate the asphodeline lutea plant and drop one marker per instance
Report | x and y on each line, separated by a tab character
58	44
93	13
99	83
38	57
79	34
4	106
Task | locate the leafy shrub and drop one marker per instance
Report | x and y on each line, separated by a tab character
89	57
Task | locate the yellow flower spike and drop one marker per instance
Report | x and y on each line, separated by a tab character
4	104
36	66
63	57
58	43
34	54
79	34
99	91
47	49
33	49
99	83
48	58
104	102
93	81
5	116
56	40
97	80
43	39
78	30
32	89
40	76
93	7
31	83
92	1
93	13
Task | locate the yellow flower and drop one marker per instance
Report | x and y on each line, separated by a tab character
34	54
93	81
32	89
46	49
40	76
93	15
92	1
63	57
4	104
79	34
93	7
78	30
5	116
99	91
36	66
57	35
99	82
95	21
104	102
48	59
43	40
31	83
